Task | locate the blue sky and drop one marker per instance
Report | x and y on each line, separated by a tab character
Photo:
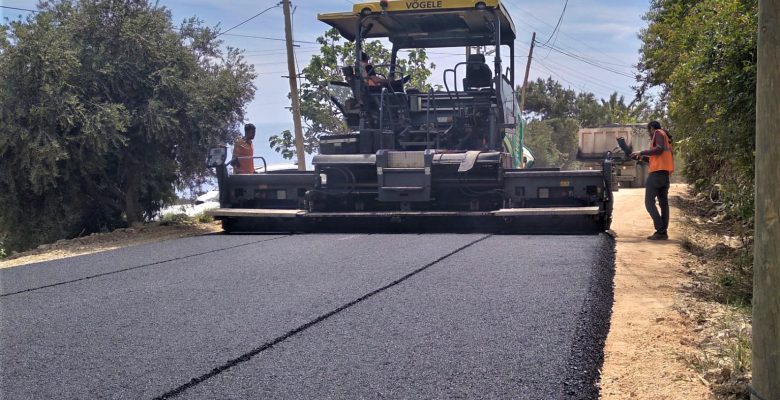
605	30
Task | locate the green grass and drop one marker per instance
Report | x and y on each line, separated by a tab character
203	218
174	219
183	219
738	347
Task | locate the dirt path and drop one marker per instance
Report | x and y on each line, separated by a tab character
647	336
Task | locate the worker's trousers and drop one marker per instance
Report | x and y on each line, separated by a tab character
657	186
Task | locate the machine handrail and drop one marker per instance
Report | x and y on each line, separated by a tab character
382	109
265	164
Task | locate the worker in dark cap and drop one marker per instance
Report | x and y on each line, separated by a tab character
661	160
243	153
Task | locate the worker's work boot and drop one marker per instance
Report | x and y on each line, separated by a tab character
658	236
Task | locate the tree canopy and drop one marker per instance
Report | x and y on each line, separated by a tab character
319	114
105	109
557	113
702	55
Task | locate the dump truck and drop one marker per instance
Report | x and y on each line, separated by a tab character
421	160
597	143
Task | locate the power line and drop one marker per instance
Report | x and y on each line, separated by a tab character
276	53
259	37
271	72
250	18
266	38
618	65
584	79
276	49
524	12
558	25
20	9
558	76
572	71
587	61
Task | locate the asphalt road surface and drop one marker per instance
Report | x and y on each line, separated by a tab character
311	316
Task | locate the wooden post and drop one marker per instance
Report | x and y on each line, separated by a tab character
296	105
766	264
527	71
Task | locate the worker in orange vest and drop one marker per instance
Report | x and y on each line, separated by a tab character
661	160
243	153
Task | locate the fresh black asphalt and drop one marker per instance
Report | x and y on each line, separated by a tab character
37	276
311	316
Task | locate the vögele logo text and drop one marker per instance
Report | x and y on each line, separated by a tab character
423	4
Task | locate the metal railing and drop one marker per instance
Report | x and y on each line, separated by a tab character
237	160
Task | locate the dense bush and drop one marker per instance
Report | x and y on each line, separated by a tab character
702	55
105	109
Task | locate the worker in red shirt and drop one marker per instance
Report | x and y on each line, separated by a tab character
661	160
243	153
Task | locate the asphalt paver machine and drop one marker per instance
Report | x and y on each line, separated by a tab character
421	160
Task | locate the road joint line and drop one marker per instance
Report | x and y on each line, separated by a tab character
279	339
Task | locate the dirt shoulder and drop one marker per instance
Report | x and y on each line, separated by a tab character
648	338
109	241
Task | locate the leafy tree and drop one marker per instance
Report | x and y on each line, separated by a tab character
320	116
560	113
616	111
702	55
105	109
591	112
549	99
539	138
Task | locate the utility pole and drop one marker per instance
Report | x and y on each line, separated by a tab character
527	71
296	105
766	262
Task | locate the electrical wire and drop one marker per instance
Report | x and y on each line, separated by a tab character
535	28
267	38
602	62
20	9
271	72
558	25
249	19
271	52
559	77
586	60
586	45
579	75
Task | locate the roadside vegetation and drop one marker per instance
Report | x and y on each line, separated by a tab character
557	113
106	110
718	297
184	219
701	56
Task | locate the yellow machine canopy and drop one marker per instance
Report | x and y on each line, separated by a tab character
426	23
